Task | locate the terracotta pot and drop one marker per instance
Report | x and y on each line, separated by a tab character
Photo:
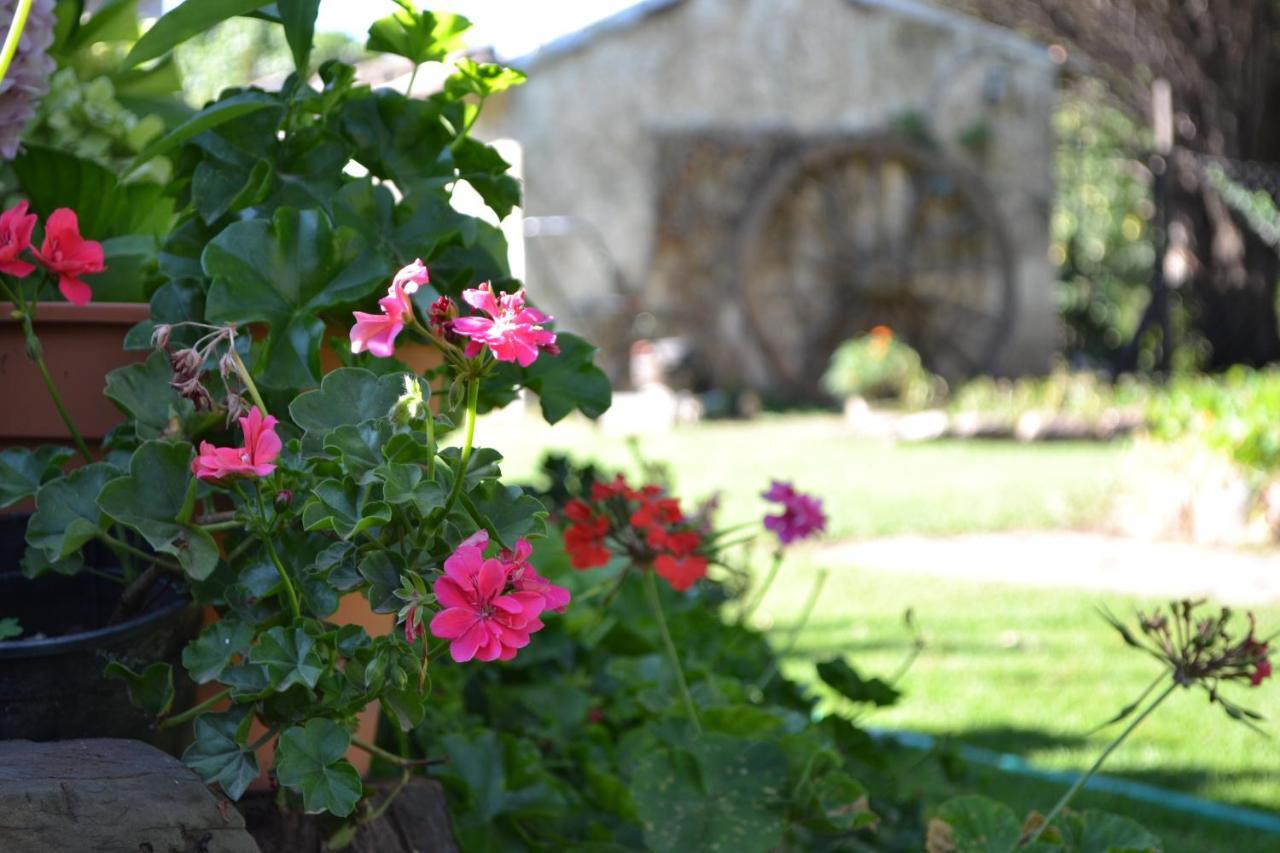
353	609
81	345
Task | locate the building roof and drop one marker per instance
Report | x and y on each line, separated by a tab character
632	16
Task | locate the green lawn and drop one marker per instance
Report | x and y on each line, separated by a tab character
870	487
1031	672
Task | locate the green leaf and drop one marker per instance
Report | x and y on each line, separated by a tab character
104	207
843	802
407	706
980	825
310	761
347	396
407	484
846	681
185	21
141	390
67	514
481	79
289	657
720	793
485	170
359	447
382	570
23	471
209	654
299	19
343	507
1099	832
208	118
9	628
151	499
151	690
283	272
218	753
569	380
418	36
116	20
506	512
402	139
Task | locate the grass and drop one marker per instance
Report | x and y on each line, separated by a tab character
870	487
1032	672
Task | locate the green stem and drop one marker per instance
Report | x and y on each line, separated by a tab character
385	755
764	589
1080	783
120	546
290	593
795	630
413	75
196	710
215	526
655	605
36	353
14	35
473	403
247	378
431	444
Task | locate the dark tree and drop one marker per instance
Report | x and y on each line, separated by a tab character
1222	60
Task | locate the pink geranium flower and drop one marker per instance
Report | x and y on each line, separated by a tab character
377	332
481	619
512	331
525	578
801	516
16	226
69	255
256	458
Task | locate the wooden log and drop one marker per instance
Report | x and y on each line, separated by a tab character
102	794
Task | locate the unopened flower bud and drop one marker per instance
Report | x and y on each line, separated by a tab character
443	312
411	406
185	362
160	335
284	497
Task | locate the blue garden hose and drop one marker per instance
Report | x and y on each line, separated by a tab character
1172	800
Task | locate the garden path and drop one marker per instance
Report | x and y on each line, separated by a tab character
1071	559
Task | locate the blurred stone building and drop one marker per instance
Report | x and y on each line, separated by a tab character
767	178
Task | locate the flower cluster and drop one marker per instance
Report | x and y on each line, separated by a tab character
491	605
255	458
64	252
512	331
27	78
644	524
801	515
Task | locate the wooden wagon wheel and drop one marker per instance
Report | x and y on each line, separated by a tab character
855	233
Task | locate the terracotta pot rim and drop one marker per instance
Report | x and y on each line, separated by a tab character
123	313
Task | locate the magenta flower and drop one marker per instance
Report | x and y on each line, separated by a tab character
16	226
801	516
512	332
377	332
256	458
69	255
481	619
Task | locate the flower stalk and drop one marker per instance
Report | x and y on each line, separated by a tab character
1106	753
655	606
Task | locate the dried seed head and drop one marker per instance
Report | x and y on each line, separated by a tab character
160	336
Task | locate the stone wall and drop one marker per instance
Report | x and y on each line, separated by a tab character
597	118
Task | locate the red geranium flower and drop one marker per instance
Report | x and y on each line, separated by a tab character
69	255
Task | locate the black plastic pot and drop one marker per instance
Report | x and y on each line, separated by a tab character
51	678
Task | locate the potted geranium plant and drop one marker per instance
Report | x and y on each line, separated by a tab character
266	494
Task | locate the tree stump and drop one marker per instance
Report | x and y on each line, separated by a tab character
100	794
417	821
